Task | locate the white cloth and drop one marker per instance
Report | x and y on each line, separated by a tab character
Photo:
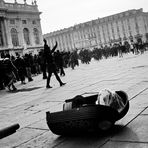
110	98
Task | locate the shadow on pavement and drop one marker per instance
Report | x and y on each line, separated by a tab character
25	89
116	129
93	138
117	132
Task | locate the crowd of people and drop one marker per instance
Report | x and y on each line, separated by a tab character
48	61
13	69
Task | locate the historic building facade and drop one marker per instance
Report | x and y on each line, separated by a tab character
126	26
20	28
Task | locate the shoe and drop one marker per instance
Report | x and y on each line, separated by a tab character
14	88
62	84
48	87
30	79
9	88
62	75
23	83
2	88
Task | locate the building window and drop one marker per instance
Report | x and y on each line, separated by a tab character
36	36
12	21
33	22
26	36
24	22
14	36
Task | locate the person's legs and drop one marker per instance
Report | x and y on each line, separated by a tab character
58	78
21	75
1	82
62	73
29	74
44	71
28	71
13	87
11	83
48	79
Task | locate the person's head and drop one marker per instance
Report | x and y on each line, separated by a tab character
7	55
17	55
2	55
104	97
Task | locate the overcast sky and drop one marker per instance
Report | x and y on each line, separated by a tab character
60	14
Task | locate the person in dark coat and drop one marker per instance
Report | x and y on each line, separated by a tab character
42	62
20	65
73	59
9	76
1	74
59	62
28	64
51	67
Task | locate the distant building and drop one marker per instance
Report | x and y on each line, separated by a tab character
126	26
20	28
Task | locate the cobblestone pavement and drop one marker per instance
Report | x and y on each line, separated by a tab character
29	104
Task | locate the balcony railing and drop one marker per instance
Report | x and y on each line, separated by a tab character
20	7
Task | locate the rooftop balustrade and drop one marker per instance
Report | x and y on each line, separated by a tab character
13	7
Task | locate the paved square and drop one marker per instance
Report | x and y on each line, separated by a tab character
29	104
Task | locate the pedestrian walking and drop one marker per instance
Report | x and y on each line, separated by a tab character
28	64
42	62
59	62
120	46
9	76
20	65
51	66
2	74
73	61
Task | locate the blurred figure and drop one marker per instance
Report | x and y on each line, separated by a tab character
1	74
27	60
9	76
20	65
73	61
120	46
42	62
59	62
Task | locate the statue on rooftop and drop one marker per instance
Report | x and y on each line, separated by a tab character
1	1
35	2
24	1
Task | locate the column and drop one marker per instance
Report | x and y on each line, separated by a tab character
123	28
1	35
118	31
109	36
103	34
5	34
112	28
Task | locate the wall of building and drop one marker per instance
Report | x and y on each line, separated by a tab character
125	26
17	17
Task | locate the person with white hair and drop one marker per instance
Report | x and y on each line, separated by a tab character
110	98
